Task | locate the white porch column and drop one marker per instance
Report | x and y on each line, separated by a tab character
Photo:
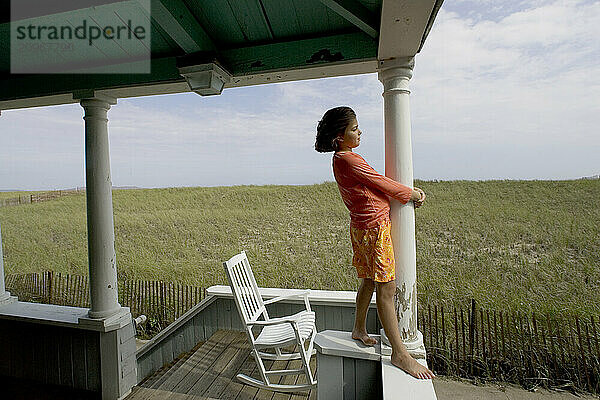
101	233
4	295
395	75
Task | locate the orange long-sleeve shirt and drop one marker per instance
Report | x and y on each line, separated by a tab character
365	191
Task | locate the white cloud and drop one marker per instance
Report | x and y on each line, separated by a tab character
529	77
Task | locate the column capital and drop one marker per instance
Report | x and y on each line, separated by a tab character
97	102
407	62
400	67
83	95
96	108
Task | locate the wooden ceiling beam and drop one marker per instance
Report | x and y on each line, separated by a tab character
299	54
180	24
355	13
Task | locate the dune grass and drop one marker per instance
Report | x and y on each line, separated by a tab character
517	245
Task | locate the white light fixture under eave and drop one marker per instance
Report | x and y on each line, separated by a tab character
205	79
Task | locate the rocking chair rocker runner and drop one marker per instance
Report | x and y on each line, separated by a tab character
276	333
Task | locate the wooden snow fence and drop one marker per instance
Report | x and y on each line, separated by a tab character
161	302
37	198
15	201
529	349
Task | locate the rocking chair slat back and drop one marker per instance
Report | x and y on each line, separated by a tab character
245	289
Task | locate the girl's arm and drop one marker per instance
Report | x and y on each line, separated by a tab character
358	168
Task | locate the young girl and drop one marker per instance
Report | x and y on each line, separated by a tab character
366	194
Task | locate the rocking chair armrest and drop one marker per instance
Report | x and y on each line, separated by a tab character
293	320
304	294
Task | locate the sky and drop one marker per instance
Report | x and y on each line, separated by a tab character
502	89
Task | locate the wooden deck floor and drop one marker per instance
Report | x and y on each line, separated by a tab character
209	373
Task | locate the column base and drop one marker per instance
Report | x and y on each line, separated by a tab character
115	321
415	348
6	298
126	394
104	314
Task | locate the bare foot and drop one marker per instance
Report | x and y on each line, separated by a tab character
363	337
411	366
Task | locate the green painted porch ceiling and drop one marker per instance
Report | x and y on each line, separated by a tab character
247	37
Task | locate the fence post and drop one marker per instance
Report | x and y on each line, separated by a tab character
595	335
50	283
482	336
496	343
179	299
456	340
502	334
4	295
522	344
582	351
437	332
187	298
530	357
472	325
35	284
446	352
430	330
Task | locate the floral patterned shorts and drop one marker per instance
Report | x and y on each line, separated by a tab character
373	252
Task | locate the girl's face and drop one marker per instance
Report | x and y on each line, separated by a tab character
351	136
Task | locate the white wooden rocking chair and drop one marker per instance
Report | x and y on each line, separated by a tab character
276	333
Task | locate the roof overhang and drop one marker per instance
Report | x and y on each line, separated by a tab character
362	32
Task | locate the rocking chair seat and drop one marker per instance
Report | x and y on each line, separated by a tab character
282	333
